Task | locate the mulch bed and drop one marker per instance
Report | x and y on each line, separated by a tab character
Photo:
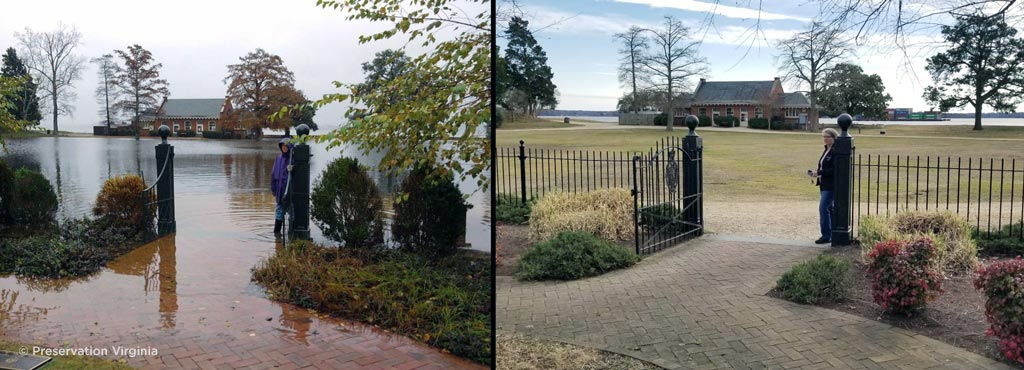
956	317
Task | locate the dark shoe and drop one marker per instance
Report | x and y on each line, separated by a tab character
277	226
822	241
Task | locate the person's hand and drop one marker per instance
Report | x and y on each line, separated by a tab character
290	168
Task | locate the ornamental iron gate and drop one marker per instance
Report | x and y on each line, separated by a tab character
668	192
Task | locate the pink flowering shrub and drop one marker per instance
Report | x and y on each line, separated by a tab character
902	277
1003	284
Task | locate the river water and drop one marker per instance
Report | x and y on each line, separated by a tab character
1019	122
193	285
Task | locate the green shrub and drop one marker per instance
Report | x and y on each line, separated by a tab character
704	121
120	200
606	213
186	133
783	125
951	235
758	123
824	279
34	201
727	121
154	132
212	135
902	276
1005	242
432	219
6	193
346	205
510	209
661	217
45	255
661	119
444	302
573	255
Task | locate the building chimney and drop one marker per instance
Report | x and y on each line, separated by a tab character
702	80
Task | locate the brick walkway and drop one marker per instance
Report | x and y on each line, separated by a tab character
701	305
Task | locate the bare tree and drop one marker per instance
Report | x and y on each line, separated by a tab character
51	57
107	89
808	56
673	61
140	80
633	44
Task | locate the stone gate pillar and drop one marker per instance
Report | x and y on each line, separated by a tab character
300	185
165	184
693	177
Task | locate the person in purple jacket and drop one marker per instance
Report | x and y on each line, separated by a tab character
279	182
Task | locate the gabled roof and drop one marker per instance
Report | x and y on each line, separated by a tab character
795	100
202	108
733	92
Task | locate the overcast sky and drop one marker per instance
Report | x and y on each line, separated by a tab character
196	40
578	38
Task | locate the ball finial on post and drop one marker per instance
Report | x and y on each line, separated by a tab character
302	129
845	121
691	122
164	132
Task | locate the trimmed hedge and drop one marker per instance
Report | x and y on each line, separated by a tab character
727	121
573	255
703	121
758	123
783	125
119	200
186	133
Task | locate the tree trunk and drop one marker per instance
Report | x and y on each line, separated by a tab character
54	91
632	61
671	113
814	109
977	116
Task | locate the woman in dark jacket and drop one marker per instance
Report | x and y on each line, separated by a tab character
825	183
279	181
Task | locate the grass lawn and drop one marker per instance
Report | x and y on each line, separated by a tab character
527	122
897	129
746	165
69	362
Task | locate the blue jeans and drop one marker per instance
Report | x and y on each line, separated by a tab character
280	210
825	209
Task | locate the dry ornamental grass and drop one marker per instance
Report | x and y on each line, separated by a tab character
607	214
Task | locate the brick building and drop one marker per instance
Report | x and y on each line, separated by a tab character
192	114
746	100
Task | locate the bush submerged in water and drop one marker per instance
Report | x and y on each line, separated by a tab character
443	302
120	200
347	206
78	247
34	202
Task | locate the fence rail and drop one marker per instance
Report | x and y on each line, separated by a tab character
989	193
530	173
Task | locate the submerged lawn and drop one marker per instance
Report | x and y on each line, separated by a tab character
68	362
445	303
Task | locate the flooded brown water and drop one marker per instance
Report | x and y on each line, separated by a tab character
193	285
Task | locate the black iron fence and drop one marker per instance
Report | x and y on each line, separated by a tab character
988	192
668	194
530	173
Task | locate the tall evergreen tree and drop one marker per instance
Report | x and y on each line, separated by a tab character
25	103
984	65
528	67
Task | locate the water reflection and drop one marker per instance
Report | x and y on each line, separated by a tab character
156	263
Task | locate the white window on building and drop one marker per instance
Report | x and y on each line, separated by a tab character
176	127
213	126
758	112
188	125
714	113
703	111
791	112
199	127
728	111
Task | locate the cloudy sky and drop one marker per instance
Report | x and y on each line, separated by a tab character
196	40
578	38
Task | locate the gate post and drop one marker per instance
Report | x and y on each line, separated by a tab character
843	148
165	184
693	181
300	185
522	170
